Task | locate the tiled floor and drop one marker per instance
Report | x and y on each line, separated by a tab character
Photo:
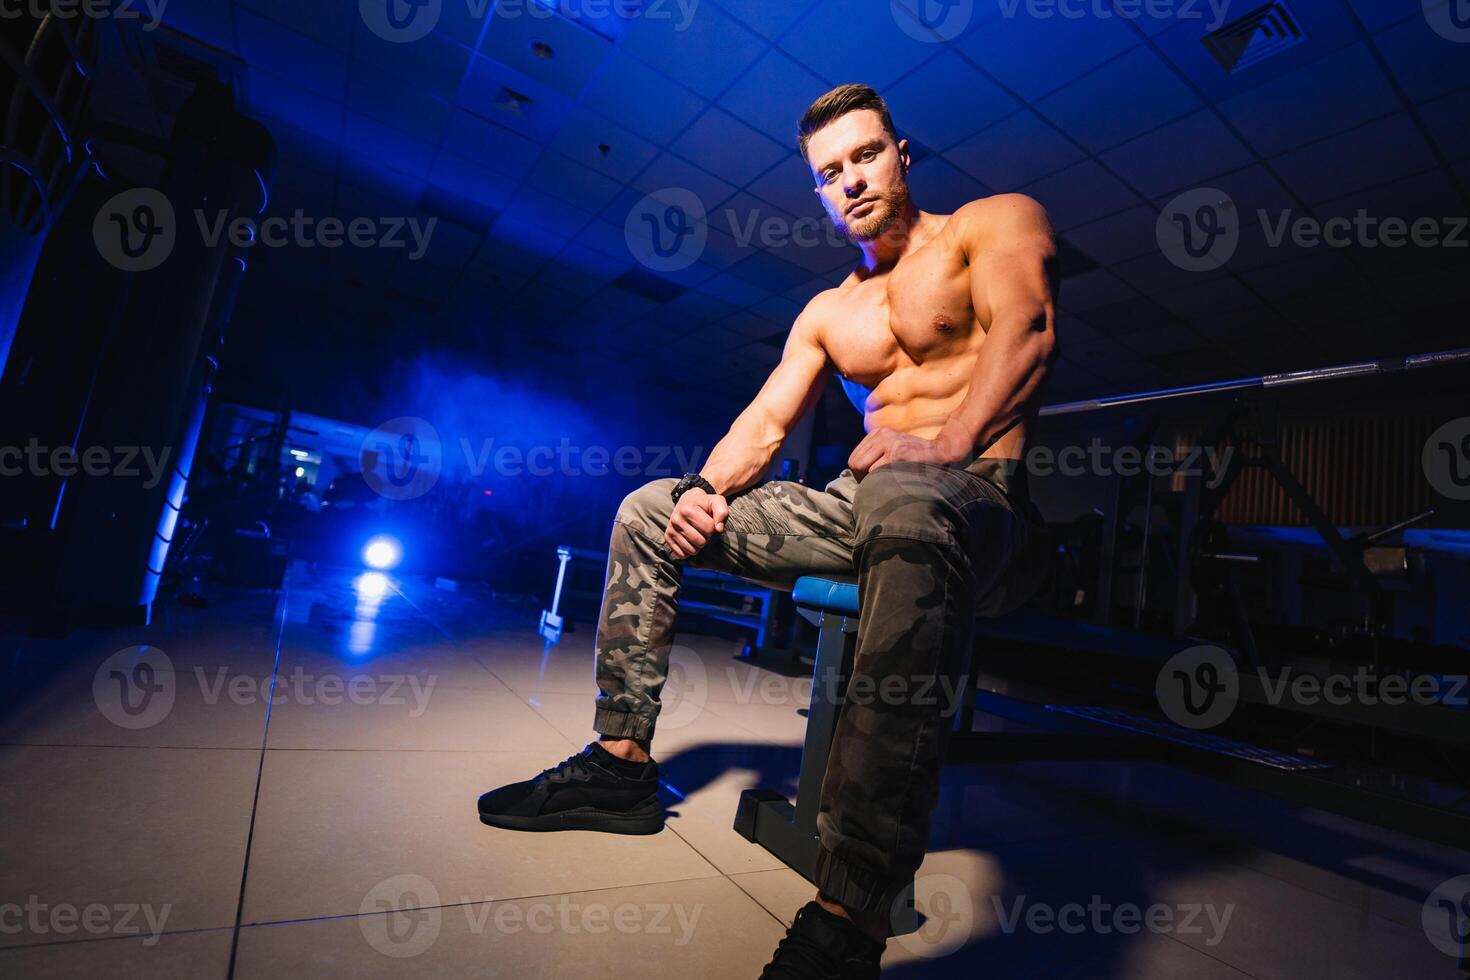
294	797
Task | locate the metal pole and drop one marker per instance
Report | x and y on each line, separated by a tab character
1391	365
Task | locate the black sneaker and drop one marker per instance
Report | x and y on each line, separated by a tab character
592	790
822	945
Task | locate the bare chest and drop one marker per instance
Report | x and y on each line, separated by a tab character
918	313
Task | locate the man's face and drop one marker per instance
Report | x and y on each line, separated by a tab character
860	174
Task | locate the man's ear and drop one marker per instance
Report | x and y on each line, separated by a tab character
903	155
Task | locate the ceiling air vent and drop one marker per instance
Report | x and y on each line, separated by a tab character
1263	33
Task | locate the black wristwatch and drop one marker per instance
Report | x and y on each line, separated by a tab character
692	480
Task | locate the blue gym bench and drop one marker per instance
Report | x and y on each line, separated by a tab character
789	829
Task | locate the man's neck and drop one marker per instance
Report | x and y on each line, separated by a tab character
908	232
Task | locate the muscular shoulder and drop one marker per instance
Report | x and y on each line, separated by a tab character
811	322
1002	220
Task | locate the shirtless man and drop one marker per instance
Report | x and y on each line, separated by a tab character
944	334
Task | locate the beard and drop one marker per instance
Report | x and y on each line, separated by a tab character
869	227
886	210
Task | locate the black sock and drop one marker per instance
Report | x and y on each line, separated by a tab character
625	767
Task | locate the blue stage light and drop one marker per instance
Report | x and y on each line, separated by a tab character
382	552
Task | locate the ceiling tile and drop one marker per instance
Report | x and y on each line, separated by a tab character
331	26
1182	154
789	186
468	179
1083	192
292	56
773	95
1343	90
763	17
500	94
1099	287
371	139
622	94
1379	151
698	45
1424	62
586	134
864	30
728	148
1448	122
943	188
1036	55
575	53
1213	296
1100	110
492	147
567	180
396	102
1014	152
1125	235
668	170
276	98
434	63
941	123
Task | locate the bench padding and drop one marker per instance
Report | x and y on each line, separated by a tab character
827	594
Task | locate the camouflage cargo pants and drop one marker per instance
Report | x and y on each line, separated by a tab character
931	546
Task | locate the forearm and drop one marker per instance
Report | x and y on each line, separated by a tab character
1009	369
743	456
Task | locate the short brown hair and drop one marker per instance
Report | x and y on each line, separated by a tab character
837	103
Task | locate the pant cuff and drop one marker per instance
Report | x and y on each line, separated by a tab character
622	724
858	889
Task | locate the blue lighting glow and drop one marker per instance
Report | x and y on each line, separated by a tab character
382	552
